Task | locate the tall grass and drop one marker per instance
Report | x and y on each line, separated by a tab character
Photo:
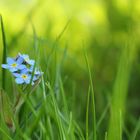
50	113
120	94
4	52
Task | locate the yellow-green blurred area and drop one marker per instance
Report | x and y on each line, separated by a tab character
102	27
95	23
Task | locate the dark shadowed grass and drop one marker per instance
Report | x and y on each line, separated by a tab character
136	131
87	115
4	52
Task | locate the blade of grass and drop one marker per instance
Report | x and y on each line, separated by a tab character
120	92
92	95
70	123
34	111
4	52
37	121
102	116
137	128
78	130
87	113
2	131
126	132
35	53
50	128
105	135
63	97
59	122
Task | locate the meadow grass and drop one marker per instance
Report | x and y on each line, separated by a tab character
50	114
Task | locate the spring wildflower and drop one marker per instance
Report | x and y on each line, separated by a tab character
22	78
14	64
21	68
27	59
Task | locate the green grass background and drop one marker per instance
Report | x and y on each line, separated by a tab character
89	53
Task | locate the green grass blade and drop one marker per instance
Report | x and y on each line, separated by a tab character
137	128
92	95
63	97
4	52
120	93
50	128
105	135
87	113
70	123
102	116
59	122
35	52
2	131
79	131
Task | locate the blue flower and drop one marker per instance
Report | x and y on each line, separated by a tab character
24	77
22	69
14	64
26	59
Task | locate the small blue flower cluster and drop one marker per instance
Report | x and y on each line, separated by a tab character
22	69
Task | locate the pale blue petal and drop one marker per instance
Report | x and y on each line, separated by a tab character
19	81
29	76
24	70
35	78
21	67
13	69
27	81
20	60
5	66
31	68
38	73
31	62
25	56
16	74
10	60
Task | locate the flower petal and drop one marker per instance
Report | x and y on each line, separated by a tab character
20	60
19	80
31	68
31	62
21	67
24	70
5	66
10	60
13	69
35	78
27	81
16	74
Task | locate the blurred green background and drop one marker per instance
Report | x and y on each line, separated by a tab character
103	27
